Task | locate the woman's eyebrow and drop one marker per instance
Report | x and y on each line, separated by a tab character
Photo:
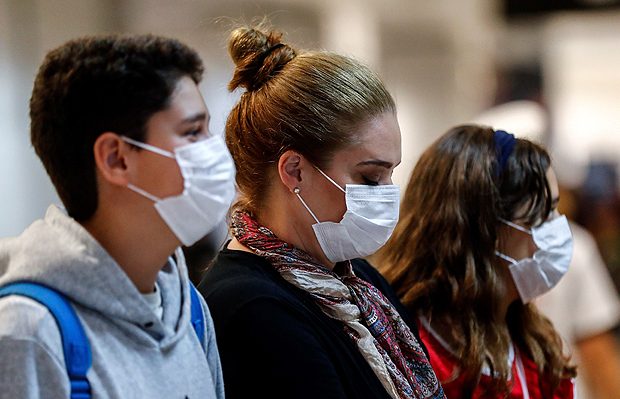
377	162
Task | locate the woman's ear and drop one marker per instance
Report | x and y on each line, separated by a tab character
291	169
110	153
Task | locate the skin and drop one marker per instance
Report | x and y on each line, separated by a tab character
519	245
599	354
125	223
370	161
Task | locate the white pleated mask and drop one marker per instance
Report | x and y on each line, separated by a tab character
208	188
372	213
536	275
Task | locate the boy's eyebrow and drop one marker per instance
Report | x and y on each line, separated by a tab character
199	117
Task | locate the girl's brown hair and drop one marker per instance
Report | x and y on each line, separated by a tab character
441	258
309	102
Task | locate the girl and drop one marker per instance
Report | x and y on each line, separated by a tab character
478	239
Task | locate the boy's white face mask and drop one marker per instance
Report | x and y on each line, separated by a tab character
536	275
372	213
208	174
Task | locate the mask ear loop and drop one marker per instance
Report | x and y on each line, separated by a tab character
330	179
506	258
143	193
296	191
148	147
515	226
151	148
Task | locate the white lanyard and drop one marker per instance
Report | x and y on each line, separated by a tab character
520	369
521	374
485	368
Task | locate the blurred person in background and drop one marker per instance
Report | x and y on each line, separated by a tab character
599	211
585	309
479	238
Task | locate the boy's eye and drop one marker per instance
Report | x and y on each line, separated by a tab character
194	132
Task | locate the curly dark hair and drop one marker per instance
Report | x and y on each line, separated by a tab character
98	84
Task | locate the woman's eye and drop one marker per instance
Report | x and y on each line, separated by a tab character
369	182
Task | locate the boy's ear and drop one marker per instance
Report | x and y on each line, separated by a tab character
111	153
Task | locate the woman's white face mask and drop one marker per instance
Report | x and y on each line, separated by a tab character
372	213
536	275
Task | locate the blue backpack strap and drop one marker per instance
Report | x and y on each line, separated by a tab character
198	319
75	345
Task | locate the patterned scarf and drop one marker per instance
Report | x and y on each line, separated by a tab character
368	318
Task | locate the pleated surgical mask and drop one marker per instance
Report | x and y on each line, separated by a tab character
208	188
536	275
370	219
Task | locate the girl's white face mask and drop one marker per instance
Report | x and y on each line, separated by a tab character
209	188
536	275
372	213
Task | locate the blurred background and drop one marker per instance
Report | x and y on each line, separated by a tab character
446	61
545	69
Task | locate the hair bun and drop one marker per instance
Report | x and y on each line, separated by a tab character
258	56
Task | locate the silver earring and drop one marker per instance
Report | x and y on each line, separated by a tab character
296	190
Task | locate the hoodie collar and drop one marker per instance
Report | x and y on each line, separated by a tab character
58	252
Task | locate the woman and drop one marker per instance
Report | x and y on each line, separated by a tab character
298	315
479	237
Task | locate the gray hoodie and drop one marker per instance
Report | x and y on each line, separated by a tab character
135	354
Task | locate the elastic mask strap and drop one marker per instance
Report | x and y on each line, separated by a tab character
331	180
143	193
506	257
515	226
148	147
296	191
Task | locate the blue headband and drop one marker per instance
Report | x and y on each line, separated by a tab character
504	145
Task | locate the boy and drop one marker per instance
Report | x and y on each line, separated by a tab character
122	131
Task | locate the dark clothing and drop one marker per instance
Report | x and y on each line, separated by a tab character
275	341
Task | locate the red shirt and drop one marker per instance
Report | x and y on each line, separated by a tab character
444	364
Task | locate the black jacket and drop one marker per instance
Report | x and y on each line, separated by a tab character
275	342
